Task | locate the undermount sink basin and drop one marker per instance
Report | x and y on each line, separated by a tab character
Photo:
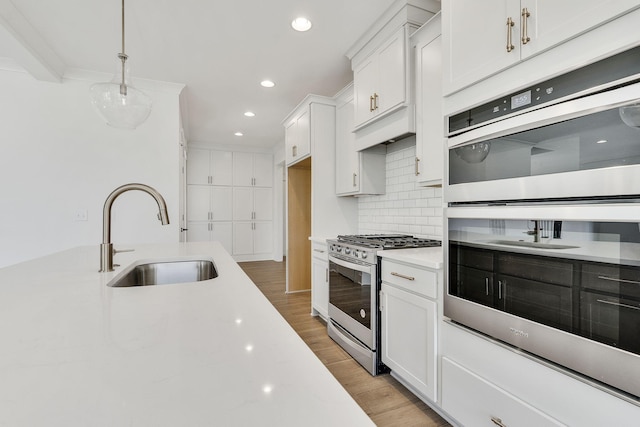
536	245
165	272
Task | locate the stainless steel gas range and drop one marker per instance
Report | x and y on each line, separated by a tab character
354	287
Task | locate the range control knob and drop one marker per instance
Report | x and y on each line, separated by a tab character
347	251
338	248
364	255
356	253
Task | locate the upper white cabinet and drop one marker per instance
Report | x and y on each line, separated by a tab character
381	81
297	135
252	169
382	73
482	38
427	44
209	167
357	172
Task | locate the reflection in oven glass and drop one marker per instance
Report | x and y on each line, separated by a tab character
350	291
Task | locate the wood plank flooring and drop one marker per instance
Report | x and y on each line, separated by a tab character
384	399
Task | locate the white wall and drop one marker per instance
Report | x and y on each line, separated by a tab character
405	207
58	156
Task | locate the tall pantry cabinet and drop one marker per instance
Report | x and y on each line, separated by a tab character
230	199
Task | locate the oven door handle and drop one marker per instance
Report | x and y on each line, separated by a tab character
352	265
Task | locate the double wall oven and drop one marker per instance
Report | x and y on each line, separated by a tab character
543	222
354	287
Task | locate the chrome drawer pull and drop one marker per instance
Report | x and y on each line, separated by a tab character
393	273
618	304
613	279
318	250
497	421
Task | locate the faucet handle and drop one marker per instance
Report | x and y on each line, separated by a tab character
117	251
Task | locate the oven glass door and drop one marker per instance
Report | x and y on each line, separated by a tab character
582	277
350	290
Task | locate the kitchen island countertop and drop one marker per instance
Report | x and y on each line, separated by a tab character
77	352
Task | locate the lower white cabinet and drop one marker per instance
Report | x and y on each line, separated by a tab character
319	280
252	238
474	401
409	325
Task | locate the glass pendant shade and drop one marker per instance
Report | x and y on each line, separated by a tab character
126	110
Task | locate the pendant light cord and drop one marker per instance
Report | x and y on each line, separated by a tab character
123	58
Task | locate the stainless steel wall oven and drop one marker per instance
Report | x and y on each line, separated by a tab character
543	222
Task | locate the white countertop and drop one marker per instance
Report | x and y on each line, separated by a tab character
425	257
77	352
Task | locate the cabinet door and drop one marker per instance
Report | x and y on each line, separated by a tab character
223	233
198	203
221	167
221	203
552	22
365	79
242	238
347	164
198	166
475	40
320	287
262	170
242	169
263	204
408	338
262	237
473	401
242	204
392	74
198	231
429	118
303	131
290	141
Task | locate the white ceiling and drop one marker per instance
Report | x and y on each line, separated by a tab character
219	50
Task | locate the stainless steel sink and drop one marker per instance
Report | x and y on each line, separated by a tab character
536	245
165	272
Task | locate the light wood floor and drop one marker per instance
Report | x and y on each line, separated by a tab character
385	400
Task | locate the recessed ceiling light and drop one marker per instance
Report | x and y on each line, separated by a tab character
267	83
301	24
602	141
249	114
238	134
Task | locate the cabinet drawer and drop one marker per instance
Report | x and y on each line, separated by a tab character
319	251
614	279
474	401
411	278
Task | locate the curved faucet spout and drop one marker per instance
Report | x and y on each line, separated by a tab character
106	248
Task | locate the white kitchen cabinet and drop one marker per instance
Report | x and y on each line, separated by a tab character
297	135
211	231
319	279
381	81
357	172
209	203
252	204
252	169
474	401
209	167
252	238
409	325
482	38
430	141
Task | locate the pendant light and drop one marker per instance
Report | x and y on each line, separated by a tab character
120	104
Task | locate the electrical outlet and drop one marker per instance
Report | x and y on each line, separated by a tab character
81	215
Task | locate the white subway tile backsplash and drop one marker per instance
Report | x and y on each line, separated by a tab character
406	207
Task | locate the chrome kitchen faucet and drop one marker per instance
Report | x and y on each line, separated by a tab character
106	248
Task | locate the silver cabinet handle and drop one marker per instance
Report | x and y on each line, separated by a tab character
294	150
510	25
354	179
499	289
525	15
326	275
486	286
613	279
417	167
497	421
402	276
371	104
375	101
318	250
